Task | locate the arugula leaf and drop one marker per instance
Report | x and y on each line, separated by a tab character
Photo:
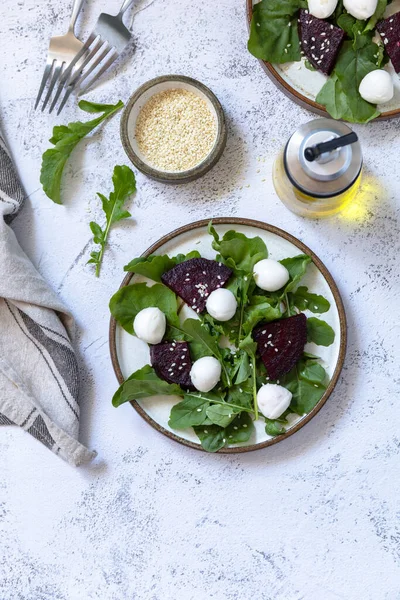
340	94
319	332
306	382
241	395
142	384
220	415
305	300
64	139
212	437
242	369
377	16
275	427
188	413
237	251
240	429
297	266
259	310
154	266
131	299
250	347
273	31
124	185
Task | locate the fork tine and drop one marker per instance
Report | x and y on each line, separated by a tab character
46	73
100	57
60	88
77	76
114	55
81	52
67	94
54	78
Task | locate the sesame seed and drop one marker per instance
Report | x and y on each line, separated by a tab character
315	385
269	335
277	381
289	342
180	368
286	50
312	47
184	364
175	130
171	349
173	364
230	436
323	33
264	332
258	24
313	39
245	425
199	410
276	350
240	390
224	440
205	431
235	427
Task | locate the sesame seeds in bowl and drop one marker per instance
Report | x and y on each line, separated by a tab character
173	129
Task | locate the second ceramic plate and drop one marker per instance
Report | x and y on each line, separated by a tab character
128	353
302	85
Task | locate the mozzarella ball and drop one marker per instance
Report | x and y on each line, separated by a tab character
205	373
221	304
273	400
377	87
150	324
322	9
270	275
360	9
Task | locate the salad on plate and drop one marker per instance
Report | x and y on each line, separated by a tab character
237	354
348	41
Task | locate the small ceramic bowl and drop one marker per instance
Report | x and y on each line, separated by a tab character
135	105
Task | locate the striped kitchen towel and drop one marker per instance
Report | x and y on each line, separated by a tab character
39	377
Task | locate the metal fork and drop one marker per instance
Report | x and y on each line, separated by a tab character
62	50
105	43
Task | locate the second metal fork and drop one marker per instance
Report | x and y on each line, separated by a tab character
62	51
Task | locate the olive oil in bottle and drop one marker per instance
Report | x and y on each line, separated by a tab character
319	171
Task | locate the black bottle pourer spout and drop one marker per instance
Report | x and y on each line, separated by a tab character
313	152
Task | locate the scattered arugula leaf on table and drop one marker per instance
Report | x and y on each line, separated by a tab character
64	139
124	186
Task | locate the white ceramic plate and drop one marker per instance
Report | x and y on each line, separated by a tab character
130	354
303	85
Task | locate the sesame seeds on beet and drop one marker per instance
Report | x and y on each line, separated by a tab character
172	363
320	41
389	30
281	344
195	279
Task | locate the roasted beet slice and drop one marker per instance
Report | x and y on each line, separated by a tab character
390	33
172	362
281	344
320	41
195	279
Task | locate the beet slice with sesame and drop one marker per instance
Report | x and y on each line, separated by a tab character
389	30
195	279
320	41
281	344
172	362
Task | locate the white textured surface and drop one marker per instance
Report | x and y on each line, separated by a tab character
313	518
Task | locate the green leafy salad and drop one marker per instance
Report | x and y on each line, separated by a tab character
240	356
341	46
